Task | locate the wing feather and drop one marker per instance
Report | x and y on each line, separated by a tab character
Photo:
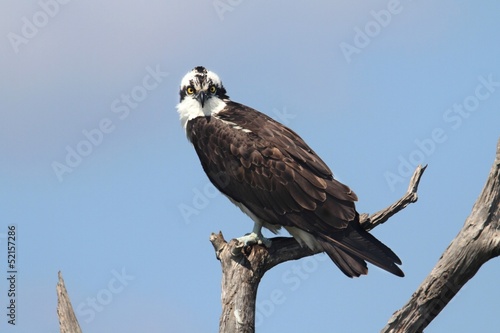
270	165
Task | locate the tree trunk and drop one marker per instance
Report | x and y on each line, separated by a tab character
475	244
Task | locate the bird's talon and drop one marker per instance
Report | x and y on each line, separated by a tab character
252	239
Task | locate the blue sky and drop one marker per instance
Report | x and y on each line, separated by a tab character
97	174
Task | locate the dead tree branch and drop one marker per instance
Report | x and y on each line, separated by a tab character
410	197
242	269
475	244
67	319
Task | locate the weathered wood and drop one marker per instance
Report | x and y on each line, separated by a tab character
477	242
243	268
67	319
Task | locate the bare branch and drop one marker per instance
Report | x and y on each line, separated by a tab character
410	197
67	319
475	244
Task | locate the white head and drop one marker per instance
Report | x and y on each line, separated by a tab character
202	94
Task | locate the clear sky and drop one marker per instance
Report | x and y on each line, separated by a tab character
100	182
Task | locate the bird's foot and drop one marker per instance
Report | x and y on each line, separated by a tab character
253	238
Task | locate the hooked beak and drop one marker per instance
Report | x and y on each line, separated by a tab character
201	97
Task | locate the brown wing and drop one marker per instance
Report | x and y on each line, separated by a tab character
271	170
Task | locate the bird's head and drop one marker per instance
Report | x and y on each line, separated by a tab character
201	84
201	94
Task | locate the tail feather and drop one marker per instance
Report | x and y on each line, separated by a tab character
349	265
350	248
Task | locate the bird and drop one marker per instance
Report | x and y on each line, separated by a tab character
272	175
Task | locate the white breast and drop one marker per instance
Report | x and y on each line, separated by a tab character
190	108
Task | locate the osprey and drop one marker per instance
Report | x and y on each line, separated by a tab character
272	175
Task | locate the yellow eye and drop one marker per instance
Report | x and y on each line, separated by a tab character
212	89
190	90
